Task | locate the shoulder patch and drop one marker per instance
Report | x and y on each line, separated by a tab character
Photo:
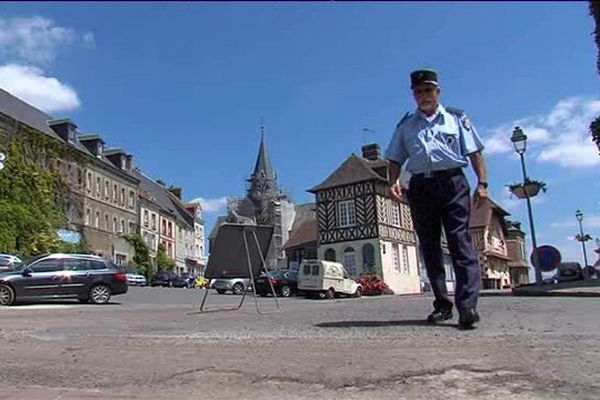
460	113
406	116
456	111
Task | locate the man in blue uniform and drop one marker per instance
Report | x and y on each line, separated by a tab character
434	144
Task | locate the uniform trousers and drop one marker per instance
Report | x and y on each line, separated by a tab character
444	200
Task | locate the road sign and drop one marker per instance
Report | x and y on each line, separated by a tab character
548	258
2	158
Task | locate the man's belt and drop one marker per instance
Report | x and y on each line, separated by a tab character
445	173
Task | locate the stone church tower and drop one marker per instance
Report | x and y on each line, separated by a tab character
266	205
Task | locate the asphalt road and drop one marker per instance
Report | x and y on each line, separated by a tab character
151	344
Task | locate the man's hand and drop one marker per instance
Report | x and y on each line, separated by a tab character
396	192
481	193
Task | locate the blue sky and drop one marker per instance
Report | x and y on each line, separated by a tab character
183	86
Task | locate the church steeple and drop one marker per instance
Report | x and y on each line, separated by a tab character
263	188
263	167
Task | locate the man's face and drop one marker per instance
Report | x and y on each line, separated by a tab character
426	96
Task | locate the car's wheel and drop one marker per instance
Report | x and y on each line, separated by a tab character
7	295
358	292
330	294
238	288
100	294
286	291
221	291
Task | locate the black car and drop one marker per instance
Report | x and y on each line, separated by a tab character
164	278
285	283
53	276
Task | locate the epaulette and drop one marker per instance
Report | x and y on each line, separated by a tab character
406	116
456	111
460	114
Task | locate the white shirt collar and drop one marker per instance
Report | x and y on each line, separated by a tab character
439	110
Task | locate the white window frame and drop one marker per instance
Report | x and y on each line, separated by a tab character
346	213
350	261
405	260
396	257
394	213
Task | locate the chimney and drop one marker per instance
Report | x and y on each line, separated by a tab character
176	190
370	151
64	128
128	162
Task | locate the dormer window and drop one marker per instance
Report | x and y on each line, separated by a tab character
100	149
122	162
72	136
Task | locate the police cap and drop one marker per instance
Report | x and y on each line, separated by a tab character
422	76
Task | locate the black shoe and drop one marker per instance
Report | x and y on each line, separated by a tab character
467	318
439	316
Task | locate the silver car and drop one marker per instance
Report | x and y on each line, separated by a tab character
235	285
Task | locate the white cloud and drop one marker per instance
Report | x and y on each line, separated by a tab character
35	40
211	205
560	137
32	86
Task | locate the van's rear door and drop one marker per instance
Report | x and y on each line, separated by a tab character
310	277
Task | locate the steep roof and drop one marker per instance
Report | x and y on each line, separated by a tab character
355	169
37	119
482	215
306	233
26	113
159	195
263	162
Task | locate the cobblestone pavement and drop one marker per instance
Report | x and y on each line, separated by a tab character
149	344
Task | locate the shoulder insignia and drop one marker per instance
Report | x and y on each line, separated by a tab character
460	113
456	111
406	116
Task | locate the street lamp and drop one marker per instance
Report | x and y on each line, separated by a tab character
519	141
582	238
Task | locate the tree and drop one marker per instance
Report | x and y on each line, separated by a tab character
141	258
163	261
595	13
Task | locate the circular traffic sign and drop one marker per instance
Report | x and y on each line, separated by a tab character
2	156
548	258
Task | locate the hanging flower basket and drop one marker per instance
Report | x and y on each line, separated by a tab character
527	189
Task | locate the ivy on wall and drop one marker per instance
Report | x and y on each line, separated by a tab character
32	192
141	258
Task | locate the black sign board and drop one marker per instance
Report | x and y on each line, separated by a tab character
228	257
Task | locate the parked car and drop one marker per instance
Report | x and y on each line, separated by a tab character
181	281
53	276
566	272
162	278
135	279
326	279
189	280
236	285
8	262
285	283
200	282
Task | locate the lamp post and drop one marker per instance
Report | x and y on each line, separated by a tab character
582	237
519	141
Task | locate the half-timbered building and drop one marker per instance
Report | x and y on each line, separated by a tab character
361	227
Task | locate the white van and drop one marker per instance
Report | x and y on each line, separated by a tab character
327	279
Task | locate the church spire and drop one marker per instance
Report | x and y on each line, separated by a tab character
263	167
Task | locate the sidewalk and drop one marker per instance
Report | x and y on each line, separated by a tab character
587	288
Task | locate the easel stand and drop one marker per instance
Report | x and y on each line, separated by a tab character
246	231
